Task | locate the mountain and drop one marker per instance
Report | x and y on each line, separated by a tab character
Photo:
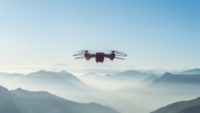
133	73
192	71
62	83
169	78
121	75
55	75
7	104
22	101
44	77
136	78
175	84
62	77
191	106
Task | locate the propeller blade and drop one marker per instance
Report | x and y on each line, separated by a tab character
122	55
78	54
79	57
120	58
118	52
83	51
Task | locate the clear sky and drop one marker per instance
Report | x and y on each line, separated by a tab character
156	34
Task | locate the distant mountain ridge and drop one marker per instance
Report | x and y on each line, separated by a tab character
191	71
22	101
62	76
191	106
61	83
178	78
124	75
134	73
44	76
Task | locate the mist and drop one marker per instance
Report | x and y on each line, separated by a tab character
126	94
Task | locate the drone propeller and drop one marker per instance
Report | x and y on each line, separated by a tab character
79	57
83	51
119	53
78	54
120	58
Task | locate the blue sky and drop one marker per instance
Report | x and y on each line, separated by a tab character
156	34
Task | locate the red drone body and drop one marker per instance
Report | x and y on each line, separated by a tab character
100	56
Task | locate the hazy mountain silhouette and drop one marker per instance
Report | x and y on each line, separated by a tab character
192	71
22	101
62	83
45	77
143	78
124	74
7	104
191	106
62	77
134	73
174	84
55	75
178	79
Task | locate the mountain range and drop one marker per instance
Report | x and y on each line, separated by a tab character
191	106
187	77
62	83
178	78
133	73
22	101
45	76
191	71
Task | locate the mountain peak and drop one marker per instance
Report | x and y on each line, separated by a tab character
41	72
132	72
167	74
49	72
52	74
20	90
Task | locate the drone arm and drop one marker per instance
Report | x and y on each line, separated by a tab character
92	55
107	55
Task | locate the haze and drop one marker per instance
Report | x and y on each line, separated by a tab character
156	35
39	37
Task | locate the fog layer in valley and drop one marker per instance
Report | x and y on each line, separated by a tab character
127	92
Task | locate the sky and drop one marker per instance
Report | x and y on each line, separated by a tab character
156	34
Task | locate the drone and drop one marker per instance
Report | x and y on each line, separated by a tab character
100	56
